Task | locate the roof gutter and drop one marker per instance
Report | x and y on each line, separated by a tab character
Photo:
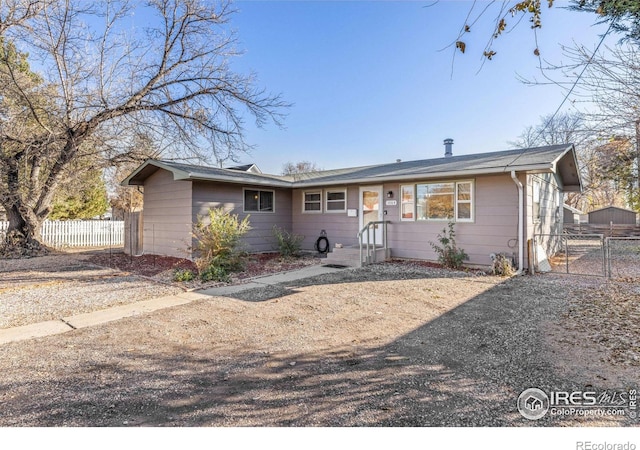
520	221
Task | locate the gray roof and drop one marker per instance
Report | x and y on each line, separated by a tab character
558	159
572	209
246	168
612	207
195	172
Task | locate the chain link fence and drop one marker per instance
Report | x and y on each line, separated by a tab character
623	257
574	254
587	254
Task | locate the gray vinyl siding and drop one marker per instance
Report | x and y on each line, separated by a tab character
340	228
208	195
167	212
171	207
494	229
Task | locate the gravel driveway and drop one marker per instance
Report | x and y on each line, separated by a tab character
387	345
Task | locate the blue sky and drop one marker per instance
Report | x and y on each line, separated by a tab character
370	83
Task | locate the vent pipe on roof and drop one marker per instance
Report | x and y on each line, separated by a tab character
448	147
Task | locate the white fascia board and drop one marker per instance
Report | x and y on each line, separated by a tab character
144	165
575	163
126	181
561	155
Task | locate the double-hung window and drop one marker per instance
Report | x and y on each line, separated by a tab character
464	199
336	200
258	200
312	202
407	202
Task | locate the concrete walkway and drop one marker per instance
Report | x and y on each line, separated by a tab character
268	280
66	324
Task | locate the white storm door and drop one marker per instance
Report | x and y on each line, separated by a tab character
371	210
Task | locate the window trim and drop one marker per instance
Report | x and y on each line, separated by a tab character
412	202
455	218
536	186
304	202
244	206
471	202
326	200
454	202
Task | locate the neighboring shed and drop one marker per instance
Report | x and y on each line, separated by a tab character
571	214
613	214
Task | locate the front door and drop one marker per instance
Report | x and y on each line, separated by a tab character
371	210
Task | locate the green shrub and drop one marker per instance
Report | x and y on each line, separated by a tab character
288	244
182	275
215	273
218	243
449	255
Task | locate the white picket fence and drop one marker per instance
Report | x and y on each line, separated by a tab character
79	233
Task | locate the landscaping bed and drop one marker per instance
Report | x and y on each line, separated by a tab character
163	268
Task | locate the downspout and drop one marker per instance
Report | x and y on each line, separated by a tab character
520	222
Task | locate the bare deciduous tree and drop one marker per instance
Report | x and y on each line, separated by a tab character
610	87
16	13
290	168
563	128
595	157
622	15
105	71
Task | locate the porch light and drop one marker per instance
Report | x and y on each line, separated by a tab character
390	194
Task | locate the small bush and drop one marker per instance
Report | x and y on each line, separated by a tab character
288	244
219	241
215	273
501	265
449	255
182	275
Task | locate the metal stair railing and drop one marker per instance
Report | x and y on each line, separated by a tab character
366	232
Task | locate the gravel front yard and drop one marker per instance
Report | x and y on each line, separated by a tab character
51	287
393	344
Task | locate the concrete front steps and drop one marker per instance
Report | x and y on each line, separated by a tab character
350	256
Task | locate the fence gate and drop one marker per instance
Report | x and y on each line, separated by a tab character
587	254
576	254
133	233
